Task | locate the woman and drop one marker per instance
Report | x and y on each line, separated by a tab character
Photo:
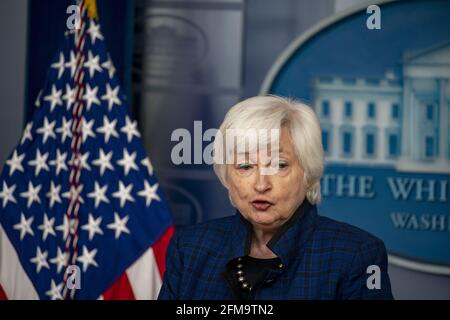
276	246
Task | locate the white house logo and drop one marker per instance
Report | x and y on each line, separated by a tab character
383	98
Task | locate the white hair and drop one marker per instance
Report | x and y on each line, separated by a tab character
274	112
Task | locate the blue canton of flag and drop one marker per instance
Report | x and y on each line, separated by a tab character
122	211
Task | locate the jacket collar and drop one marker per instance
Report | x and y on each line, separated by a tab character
286	242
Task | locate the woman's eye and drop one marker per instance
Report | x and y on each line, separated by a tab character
282	165
244	166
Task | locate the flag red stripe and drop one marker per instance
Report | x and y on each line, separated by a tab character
2	294
160	247
120	290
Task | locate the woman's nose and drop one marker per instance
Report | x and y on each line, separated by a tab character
263	182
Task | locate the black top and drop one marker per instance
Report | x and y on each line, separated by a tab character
253	272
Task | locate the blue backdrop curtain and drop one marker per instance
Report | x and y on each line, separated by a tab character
46	27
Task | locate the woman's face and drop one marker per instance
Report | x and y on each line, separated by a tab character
267	201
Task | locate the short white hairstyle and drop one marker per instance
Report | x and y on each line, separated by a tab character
274	112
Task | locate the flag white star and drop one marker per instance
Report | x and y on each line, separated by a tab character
128	161
87	258
149	193
83	159
130	129
67	227
60	260
7	194
110	66
104	161
40	260
72	64
32	194
65	129
108	129
47	227
75	192
53	194
69	96
99	194
27	133
39	162
24	226
59	65
92	64
119	225
123	193
94	31
86	127
91	97
93	226
15	163
54	98
59	162
55	291
146	163
111	96
47	130
37	102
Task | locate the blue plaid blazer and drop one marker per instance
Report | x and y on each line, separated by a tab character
321	259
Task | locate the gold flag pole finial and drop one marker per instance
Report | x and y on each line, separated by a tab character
91	8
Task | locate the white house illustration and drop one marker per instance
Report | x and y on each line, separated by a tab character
394	121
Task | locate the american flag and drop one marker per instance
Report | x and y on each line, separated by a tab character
81	212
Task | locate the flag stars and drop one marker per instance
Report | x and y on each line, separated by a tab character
93	226
54	98
47	130
111	96
53	194
86	127
59	260
59	162
74	193
55	291
87	258
92	64
99	194
15	163
69	96
65	130
47	227
32	194
72	64
123	193
130	129
27	133
110	67
40	260
104	161
7	194
128	161
81	160
119	226
94	31
91	97
24	226
67	227
39	162
108	129
146	163
149	193
59	65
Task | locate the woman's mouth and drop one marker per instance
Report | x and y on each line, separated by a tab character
261	205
